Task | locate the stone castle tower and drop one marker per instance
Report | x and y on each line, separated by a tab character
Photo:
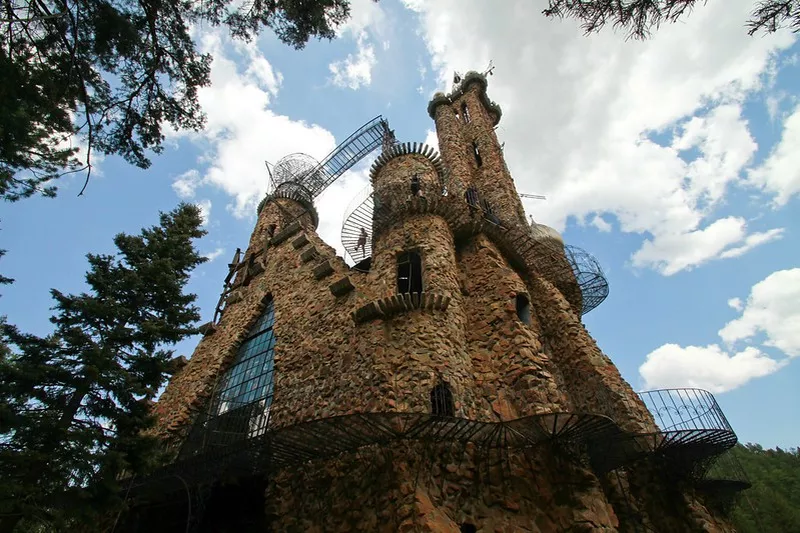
445	383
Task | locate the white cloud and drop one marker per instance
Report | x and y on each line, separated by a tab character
242	131
736	303
432	140
186	184
355	70
723	238
773	308
780	172
366	25
650	132
601	224
211	256
365	15
205	211
751	241
704	367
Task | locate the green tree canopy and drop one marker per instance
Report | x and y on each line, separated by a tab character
772	504
638	18
114	72
73	404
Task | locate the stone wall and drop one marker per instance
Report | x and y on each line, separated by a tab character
592	381
410	487
516	377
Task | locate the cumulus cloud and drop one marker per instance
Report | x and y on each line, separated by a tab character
211	256
366	25
242	131
186	184
205	211
650	132
772	309
704	367
735	303
780	172
356	69
601	224
723	238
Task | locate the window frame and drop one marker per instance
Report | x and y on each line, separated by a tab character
412	281
248	382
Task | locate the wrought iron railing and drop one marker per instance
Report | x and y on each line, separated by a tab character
283	447
685	410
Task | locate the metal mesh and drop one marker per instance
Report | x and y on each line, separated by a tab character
240	408
693	432
576	272
319	439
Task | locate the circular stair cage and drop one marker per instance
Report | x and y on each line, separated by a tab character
587	271
358	216
293	173
589	275
693	428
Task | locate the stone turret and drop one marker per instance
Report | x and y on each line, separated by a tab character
465	121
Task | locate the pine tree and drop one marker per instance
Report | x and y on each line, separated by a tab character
113	73
638	18
74	404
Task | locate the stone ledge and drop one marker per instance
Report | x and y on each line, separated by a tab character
300	241
341	287
286	232
401	303
323	270
234	298
207	329
309	254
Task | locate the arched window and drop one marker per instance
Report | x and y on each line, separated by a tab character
523	308
442	401
409	273
465	113
245	390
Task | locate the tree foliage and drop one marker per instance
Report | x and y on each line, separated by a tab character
113	72
73	404
772	504
639	17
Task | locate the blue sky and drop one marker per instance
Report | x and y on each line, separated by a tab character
676	162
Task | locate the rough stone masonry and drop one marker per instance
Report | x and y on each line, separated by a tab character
348	343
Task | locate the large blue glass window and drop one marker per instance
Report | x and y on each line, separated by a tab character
248	382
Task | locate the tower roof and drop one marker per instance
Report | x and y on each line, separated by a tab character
470	78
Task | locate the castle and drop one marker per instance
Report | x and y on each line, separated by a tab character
445	383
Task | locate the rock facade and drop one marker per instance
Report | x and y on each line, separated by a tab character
348	343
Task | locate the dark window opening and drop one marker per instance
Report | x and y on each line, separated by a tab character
477	153
523	308
442	401
409	273
465	113
468	528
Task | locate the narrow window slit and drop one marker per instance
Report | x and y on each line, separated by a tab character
477	153
523	308
442	401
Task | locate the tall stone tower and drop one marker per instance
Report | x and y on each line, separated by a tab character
445	383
